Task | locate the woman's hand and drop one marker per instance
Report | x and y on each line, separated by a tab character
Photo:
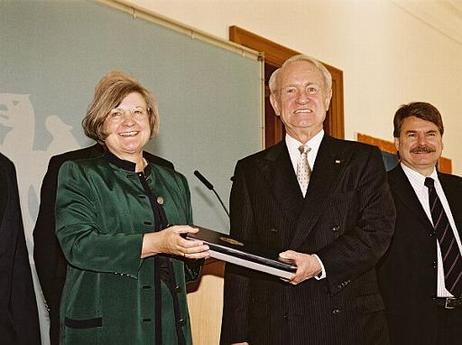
169	241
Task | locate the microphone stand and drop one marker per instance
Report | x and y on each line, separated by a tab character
210	186
221	202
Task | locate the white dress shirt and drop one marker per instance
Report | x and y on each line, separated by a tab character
314	143
294	153
417	182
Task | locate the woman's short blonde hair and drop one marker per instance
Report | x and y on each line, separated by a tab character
109	93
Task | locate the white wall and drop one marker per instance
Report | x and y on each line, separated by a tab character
388	56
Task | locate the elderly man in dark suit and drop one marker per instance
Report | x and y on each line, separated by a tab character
18	307
324	204
49	259
421	274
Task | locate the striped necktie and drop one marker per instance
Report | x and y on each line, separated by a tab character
303	169
452	261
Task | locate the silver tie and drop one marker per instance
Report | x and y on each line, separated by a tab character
303	169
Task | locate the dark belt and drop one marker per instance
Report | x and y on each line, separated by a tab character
448	302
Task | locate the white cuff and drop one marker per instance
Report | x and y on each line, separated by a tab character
322	275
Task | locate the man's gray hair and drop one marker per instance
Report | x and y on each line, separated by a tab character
273	82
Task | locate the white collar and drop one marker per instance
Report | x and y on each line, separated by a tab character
417	179
293	144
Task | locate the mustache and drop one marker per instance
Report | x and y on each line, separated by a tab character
423	149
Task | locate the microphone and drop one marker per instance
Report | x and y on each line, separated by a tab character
203	180
210	186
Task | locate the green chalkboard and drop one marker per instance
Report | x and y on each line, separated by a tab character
52	53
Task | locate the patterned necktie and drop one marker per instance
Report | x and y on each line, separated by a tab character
452	261
303	169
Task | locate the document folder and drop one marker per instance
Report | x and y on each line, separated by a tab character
225	248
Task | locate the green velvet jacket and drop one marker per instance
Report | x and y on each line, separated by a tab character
102	212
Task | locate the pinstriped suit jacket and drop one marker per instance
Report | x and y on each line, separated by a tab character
407	272
346	218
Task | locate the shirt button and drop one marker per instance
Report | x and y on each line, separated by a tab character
274	230
336	311
160	200
335	228
180	322
285	316
178	288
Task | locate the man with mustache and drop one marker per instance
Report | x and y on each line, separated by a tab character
421	274
324	204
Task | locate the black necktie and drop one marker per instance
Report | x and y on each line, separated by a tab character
452	261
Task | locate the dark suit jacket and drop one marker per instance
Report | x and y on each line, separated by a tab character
49	259
346	218
407	273
18	307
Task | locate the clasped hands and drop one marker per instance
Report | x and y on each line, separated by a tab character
170	241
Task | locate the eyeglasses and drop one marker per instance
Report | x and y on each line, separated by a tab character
138	114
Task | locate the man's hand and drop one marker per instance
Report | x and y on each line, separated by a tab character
307	265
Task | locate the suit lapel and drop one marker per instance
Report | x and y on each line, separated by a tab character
330	160
402	188
454	197
276	168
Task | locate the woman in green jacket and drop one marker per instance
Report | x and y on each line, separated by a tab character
119	221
